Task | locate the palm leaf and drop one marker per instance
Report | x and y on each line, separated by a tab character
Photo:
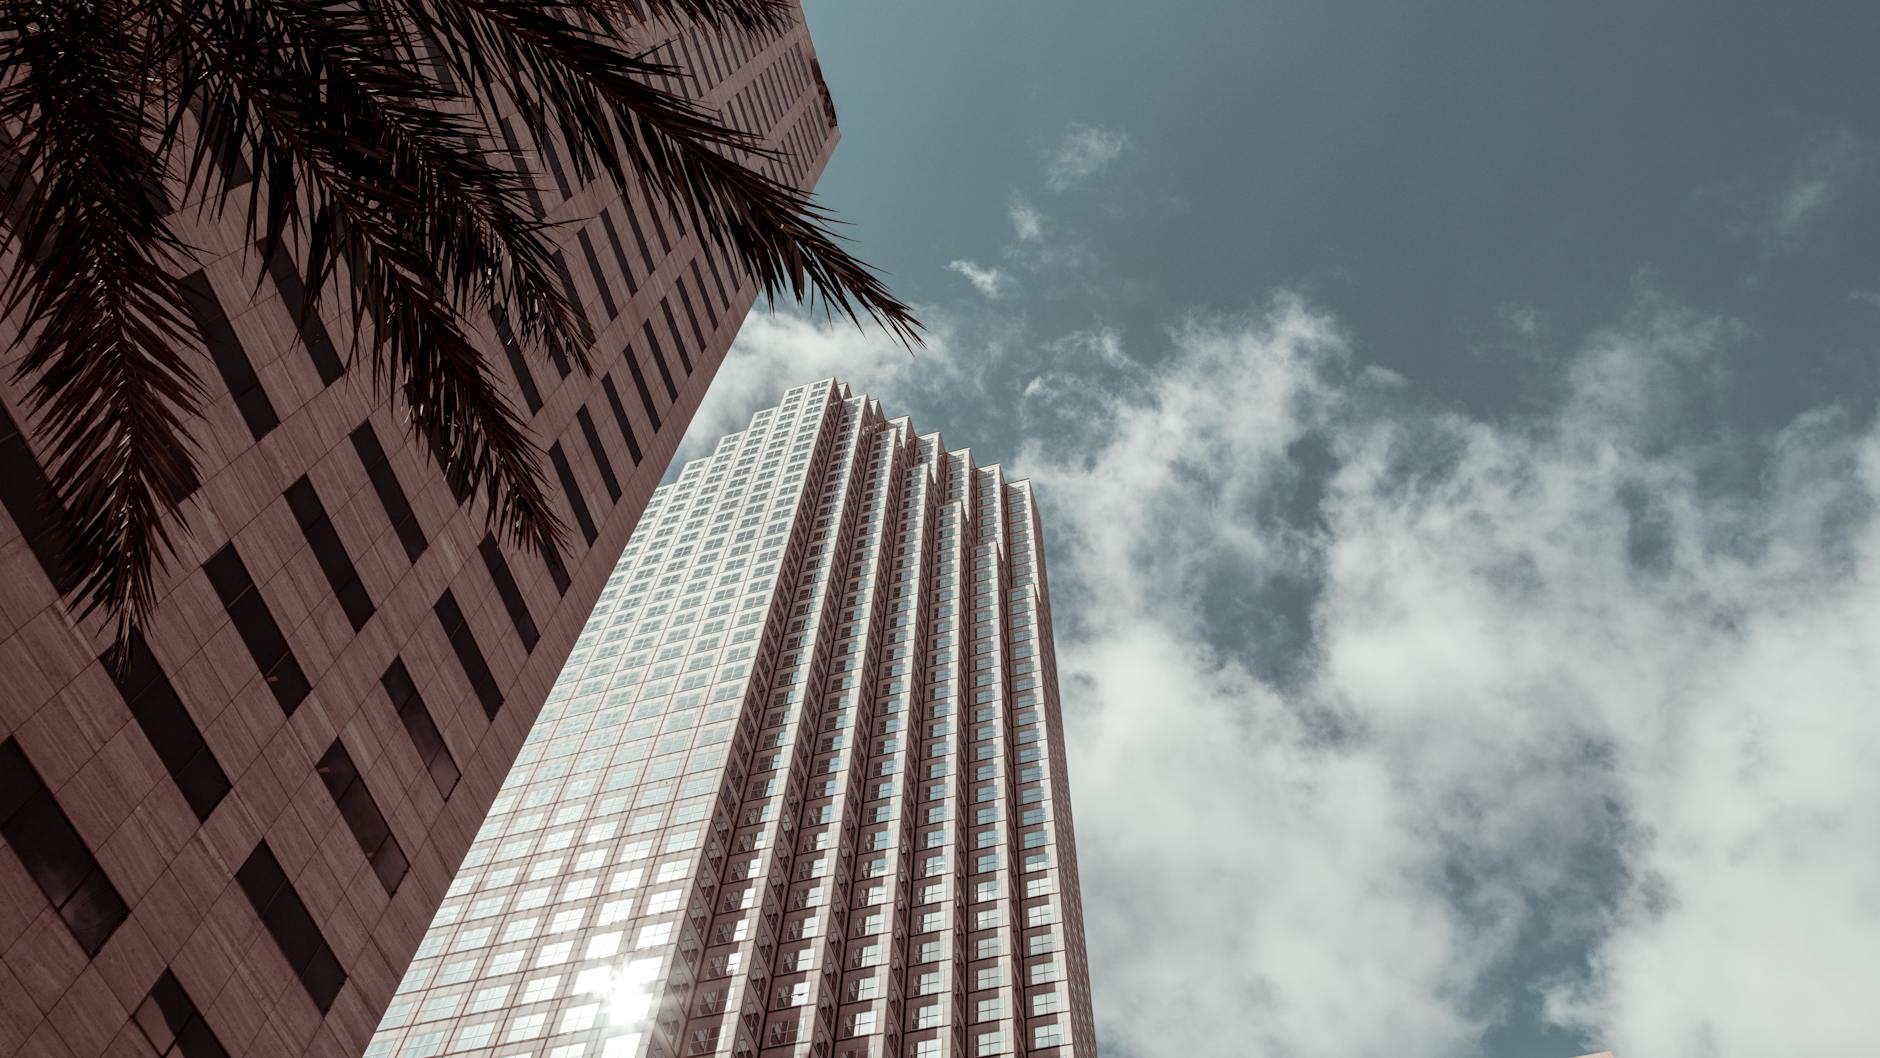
750	16
383	166
402	195
112	390
589	89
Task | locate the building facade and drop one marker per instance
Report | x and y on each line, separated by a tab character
800	790
232	844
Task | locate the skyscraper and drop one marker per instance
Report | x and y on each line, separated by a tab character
234	844
800	789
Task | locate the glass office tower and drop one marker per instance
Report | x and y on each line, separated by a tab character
800	789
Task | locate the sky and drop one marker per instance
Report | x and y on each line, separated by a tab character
1455	428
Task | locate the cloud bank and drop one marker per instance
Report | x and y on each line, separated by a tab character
1560	683
1392	726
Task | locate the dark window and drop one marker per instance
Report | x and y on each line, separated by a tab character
685	301
291	925
506	590
439	67
573	488
659	360
672	328
255	623
172	1024
747	115
620	254
711	262
469	655
235	170
391	496
416	716
767	101
28	498
600	278
698	280
716	48
522	168
639	383
545	146
507	336
678	218
620	416
459	486
362	815
226	350
54	854
652	210
327	549
694	62
167	724
639	234
600	454
580	312
313	336
702	70
556	571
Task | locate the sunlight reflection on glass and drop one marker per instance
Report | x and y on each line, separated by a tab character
627	991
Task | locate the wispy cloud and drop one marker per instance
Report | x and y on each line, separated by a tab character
990	282
1084	153
1798	204
1811	188
1027	223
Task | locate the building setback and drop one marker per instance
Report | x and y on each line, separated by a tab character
800	789
232	845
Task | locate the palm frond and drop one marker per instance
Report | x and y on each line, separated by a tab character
750	16
400	192
603	100
112	390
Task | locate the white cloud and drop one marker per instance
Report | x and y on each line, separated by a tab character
1534	643
1085	152
1027	223
990	282
775	351
1811	188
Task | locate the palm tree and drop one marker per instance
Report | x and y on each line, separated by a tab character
368	126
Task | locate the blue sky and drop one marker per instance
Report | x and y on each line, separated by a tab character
1456	430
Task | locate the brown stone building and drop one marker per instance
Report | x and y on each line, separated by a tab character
234	845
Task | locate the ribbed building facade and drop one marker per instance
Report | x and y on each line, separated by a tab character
233	844
801	788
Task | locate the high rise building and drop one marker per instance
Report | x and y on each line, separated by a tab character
232	845
800	789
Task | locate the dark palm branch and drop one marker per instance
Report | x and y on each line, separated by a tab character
86	195
384	169
605	101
